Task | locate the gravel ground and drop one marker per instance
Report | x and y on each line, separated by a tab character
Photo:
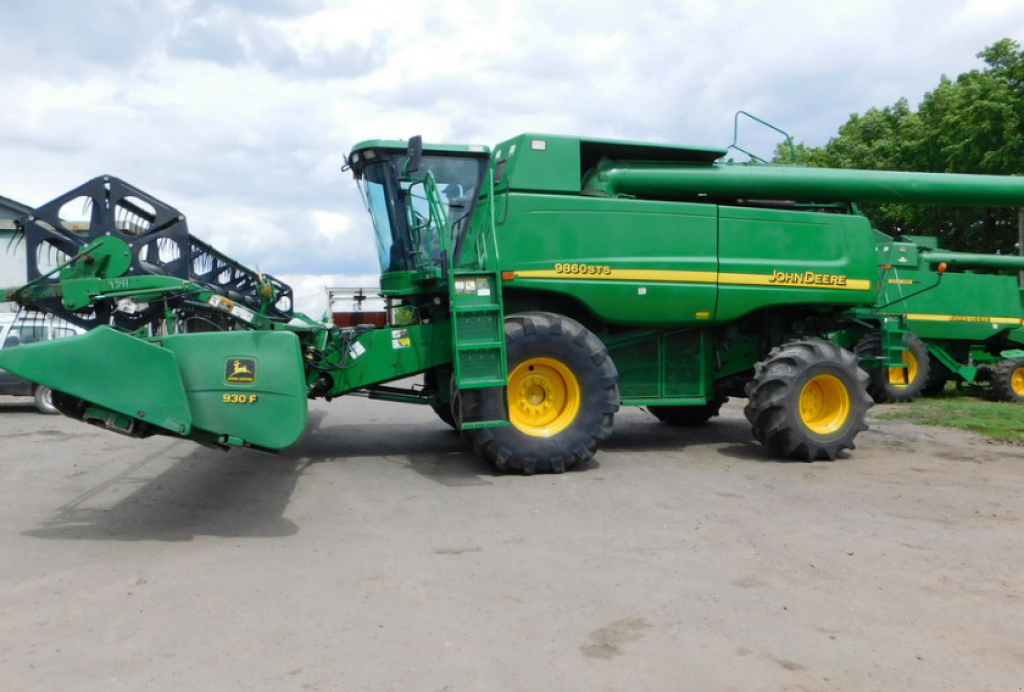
380	554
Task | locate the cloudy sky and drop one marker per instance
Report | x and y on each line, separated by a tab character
239	112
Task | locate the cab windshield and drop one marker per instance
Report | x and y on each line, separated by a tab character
406	234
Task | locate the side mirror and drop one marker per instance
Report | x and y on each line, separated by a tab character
412	164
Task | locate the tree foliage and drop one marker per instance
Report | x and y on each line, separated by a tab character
973	124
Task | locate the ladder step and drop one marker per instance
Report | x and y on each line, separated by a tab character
469	345
481	383
477	424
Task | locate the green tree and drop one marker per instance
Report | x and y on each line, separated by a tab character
973	124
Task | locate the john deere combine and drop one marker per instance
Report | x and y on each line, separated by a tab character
537	289
963	320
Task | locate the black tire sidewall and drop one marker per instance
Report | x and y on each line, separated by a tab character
1002	380
573	354
546	335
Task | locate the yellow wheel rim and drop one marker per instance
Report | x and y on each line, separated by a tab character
824	404
543	397
1017	381
896	374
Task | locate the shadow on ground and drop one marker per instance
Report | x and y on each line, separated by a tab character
244	493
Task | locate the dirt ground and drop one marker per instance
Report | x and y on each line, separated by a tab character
379	554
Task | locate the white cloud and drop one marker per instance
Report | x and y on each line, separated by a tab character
239	113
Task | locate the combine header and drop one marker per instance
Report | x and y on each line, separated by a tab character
536	289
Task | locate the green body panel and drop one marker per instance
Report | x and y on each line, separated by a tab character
522	164
790	257
545	239
402	283
557	164
265	408
651	263
117	371
383	355
970	307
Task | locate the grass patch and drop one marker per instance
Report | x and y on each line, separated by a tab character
963	410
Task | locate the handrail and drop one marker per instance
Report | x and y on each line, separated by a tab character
736	136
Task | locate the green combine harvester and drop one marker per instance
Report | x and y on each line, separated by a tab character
964	321
536	288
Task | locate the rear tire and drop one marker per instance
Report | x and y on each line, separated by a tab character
808	400
1008	380
886	385
562	395
43	396
688	415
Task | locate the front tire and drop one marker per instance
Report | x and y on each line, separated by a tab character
562	395
896	385
1008	380
808	400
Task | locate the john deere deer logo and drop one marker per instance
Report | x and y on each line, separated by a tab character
240	371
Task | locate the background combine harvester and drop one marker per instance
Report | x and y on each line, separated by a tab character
537	289
964	320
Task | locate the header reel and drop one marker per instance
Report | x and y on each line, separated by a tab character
126	232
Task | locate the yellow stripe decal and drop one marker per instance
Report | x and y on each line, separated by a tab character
675	276
624	275
965	318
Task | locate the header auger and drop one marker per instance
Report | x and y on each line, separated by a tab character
537	288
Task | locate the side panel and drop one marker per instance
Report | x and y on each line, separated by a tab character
968	306
246	384
772	257
119	372
389	354
631	262
664	368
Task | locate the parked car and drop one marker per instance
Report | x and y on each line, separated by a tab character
25	328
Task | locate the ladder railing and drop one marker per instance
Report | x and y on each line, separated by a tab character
478	320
